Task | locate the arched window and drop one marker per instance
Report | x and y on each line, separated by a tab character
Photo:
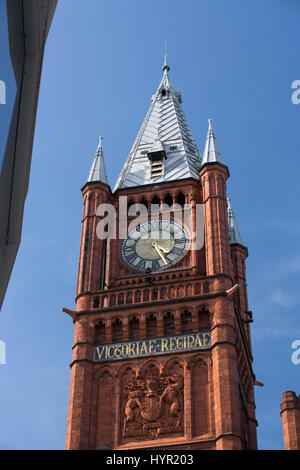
100	336
155	200
206	287
180	199
154	294
144	202
134	329
151	326
96	302
169	325
130	203
186	322
117	333
168	200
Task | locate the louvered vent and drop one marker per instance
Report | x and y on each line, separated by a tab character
156	159
156	169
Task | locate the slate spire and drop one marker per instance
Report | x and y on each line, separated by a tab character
211	151
164	142
98	171
234	234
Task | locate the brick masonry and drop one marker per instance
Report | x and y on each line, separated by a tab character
188	400
290	415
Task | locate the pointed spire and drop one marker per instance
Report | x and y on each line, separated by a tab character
234	234
165	66
211	152
165	129
98	171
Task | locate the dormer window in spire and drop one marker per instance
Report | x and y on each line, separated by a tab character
164	94
157	159
178	96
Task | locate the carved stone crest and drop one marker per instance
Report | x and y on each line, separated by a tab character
152	405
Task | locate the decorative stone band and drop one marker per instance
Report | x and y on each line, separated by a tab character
150	347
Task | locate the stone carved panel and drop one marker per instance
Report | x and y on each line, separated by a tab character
152	404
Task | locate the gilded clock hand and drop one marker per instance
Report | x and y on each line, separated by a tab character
165	250
157	248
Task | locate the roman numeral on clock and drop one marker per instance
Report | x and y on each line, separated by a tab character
179	241
155	265
141	264
177	251
129	248
131	257
129	254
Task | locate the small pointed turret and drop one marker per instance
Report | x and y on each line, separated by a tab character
98	171
211	152
234	234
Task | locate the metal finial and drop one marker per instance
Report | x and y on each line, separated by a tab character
100	141
165	66
229	208
209	124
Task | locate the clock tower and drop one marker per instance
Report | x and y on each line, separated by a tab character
162	351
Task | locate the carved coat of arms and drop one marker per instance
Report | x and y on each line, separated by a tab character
153	406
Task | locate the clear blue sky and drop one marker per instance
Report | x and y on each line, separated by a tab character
234	62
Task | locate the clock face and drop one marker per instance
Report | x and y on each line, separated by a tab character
155	245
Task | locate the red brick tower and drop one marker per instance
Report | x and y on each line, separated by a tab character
161	353
290	414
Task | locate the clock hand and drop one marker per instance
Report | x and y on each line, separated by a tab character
156	246
165	250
